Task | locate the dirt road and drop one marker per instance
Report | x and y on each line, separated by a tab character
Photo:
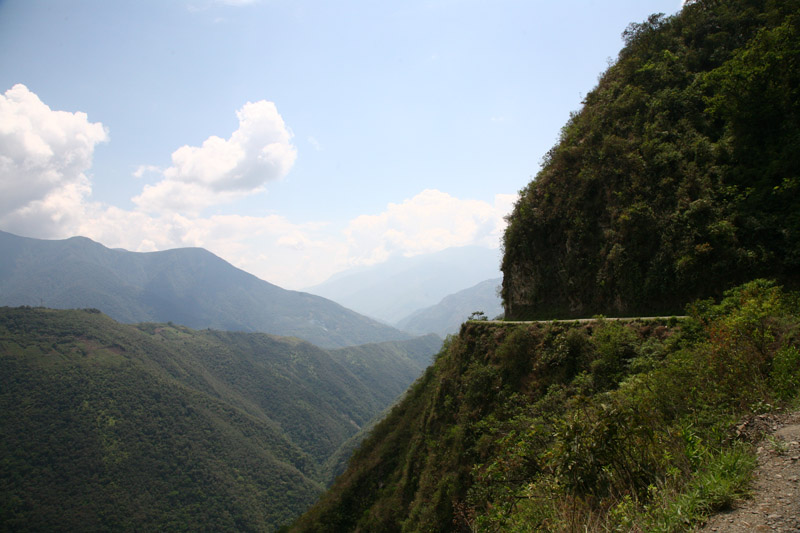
775	501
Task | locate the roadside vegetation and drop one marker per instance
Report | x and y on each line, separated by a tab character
605	426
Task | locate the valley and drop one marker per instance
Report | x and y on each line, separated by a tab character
617	365
115	426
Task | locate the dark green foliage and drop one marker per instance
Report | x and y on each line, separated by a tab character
159	427
615	347
679	176
554	426
785	373
389	367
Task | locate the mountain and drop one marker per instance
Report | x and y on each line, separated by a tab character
108	426
569	426
188	286
388	368
392	290
446	317
677	179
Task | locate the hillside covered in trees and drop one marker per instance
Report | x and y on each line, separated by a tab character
609	425
678	178
674	190
110	427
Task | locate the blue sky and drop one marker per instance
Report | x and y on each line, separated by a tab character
294	138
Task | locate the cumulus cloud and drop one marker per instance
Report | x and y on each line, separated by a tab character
45	193
43	157
430	221
296	255
141	170
222	170
271	247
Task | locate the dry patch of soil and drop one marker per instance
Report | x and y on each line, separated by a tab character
774	504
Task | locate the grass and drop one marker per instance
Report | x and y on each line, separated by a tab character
725	479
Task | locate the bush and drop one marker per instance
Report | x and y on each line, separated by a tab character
785	375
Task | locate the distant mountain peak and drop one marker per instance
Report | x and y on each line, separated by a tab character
392	290
446	316
189	286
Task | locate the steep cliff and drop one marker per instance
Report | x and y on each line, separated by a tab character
679	176
616	425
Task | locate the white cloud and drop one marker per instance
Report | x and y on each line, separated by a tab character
270	247
315	143
141	170
428	222
45	193
43	157
295	255
223	170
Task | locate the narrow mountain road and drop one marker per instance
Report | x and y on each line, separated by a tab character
775	501
579	320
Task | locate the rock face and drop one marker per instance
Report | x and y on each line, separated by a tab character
670	184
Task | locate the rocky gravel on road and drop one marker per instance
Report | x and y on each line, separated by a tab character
774	504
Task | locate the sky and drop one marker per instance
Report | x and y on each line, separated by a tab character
293	138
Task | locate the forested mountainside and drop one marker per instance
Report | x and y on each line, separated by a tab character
678	178
112	427
188	286
559	426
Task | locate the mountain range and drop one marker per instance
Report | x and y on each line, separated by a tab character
188	286
110	426
445	318
672	190
393	290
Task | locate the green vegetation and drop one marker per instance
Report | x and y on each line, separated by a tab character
677	179
109	426
676	182
609	425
